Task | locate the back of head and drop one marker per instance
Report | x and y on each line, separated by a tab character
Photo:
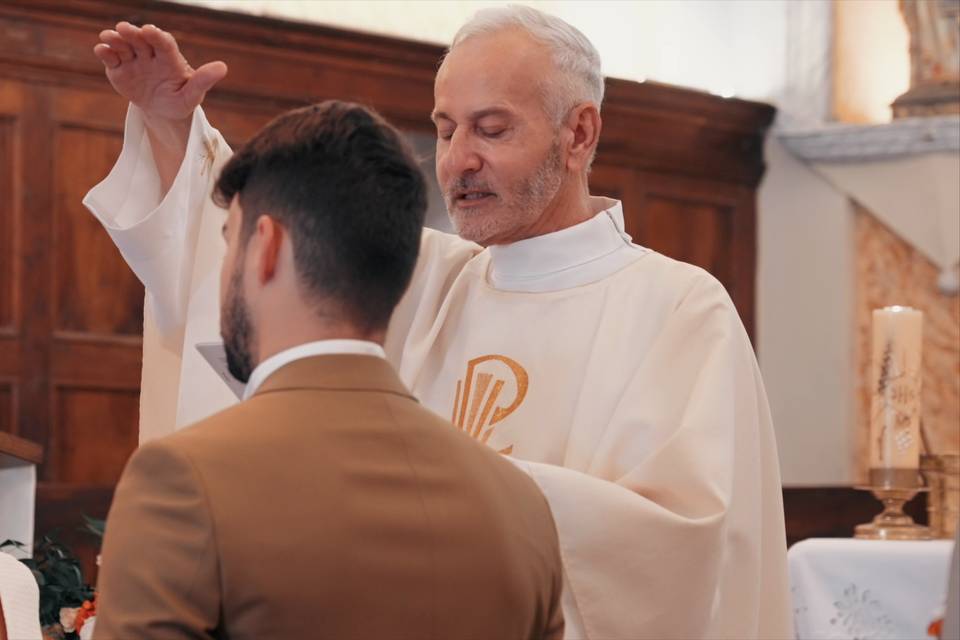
345	185
579	76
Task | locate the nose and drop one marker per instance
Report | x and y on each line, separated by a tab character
460	156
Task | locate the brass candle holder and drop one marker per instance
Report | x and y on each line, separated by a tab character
894	488
942	475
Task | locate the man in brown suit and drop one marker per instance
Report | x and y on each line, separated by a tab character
328	504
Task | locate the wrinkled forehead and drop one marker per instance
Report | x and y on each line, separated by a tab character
508	67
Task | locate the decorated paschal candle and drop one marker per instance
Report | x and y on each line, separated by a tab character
895	397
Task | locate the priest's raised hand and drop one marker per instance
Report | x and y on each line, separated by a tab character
145	66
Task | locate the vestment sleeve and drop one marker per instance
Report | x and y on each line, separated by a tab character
156	233
674	528
159	575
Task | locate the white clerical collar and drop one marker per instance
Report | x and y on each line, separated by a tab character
581	254
306	350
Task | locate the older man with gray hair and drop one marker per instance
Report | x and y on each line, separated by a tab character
622	381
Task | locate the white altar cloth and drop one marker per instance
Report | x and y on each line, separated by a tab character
867	589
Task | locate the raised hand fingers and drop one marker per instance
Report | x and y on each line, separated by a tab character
117	45
107	56
134	37
161	41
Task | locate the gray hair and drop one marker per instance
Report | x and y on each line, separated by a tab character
575	57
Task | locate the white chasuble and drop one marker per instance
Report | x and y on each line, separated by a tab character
622	381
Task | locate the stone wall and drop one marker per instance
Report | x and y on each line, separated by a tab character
888	272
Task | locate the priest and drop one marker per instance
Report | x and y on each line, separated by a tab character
622	381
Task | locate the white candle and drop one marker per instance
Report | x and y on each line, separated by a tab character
895	406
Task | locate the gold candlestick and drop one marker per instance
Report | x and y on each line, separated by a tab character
942	474
892	523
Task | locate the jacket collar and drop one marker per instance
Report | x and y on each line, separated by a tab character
343	372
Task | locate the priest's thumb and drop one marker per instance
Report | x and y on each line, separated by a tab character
202	81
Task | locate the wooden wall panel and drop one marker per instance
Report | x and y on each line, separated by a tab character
9	357
7	405
10	108
9	345
613	181
711	224
96	361
7	220
95	291
95	431
32	269
690	230
707	223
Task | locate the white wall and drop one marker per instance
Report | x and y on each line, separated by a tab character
728	47
872	66
805	320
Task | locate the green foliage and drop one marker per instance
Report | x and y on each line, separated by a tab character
93	526
58	575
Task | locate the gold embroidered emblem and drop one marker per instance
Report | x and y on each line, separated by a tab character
208	155
475	391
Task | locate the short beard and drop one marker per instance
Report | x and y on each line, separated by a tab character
534	194
526	204
236	329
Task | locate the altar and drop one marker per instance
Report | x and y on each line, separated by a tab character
868	589
18	488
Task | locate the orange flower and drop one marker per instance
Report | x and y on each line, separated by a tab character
935	628
87	610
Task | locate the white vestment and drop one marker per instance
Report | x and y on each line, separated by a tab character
621	380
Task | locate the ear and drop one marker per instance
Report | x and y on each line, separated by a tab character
584	121
269	238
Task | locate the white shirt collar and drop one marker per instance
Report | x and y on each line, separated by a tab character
306	350
574	256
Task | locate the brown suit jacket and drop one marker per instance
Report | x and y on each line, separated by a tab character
329	505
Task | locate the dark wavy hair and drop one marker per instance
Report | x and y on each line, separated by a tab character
346	186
